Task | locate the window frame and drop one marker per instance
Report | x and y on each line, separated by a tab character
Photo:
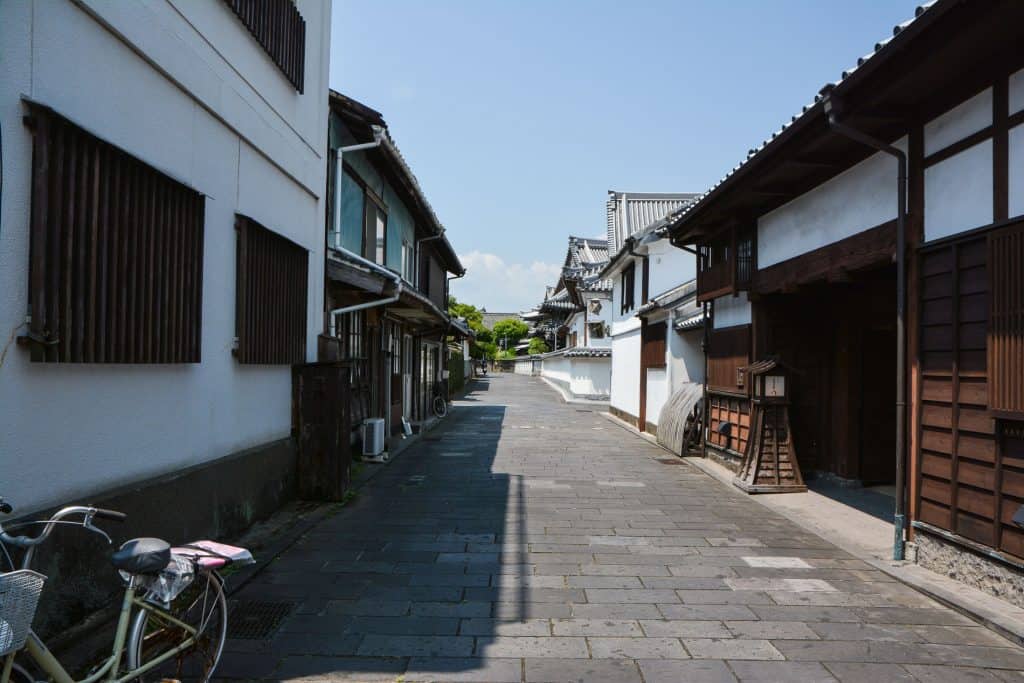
627	299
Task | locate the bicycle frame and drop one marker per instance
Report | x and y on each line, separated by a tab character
37	650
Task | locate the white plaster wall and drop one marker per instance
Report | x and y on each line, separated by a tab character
958	192
625	391
686	360
657	392
731	310
966	118
69	431
669	267
1016	93
857	199
590	377
605	316
1016	194
524	367
556	368
625	322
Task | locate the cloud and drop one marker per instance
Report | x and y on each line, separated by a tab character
498	286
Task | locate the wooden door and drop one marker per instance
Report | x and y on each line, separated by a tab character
652	355
320	392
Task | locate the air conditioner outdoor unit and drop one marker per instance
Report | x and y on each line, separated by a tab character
373	437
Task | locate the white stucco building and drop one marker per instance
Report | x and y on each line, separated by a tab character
222	130
656	325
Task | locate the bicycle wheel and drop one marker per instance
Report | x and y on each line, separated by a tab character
203	607
440	406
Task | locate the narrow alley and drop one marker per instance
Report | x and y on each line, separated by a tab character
531	540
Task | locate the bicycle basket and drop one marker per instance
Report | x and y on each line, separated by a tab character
19	595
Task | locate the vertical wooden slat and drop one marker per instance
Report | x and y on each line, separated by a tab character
102	245
92	295
41	196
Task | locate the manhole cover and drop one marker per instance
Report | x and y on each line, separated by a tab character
669	461
257	619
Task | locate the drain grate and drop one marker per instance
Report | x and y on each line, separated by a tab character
669	461
257	619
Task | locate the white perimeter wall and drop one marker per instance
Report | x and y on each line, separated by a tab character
625	391
207	106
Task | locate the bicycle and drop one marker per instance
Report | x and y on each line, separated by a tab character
440	401
173	617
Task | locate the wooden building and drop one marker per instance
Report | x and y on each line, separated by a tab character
800	249
388	270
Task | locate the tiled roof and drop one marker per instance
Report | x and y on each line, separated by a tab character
808	109
641	210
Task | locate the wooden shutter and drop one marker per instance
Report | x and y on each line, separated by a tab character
116	253
271	292
728	351
652	345
1006	325
279	28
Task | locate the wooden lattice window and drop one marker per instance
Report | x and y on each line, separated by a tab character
279	28
116	253
1006	324
270	296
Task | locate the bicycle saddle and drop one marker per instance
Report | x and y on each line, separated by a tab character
142	556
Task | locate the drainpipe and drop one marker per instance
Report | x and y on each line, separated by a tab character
339	168
831	106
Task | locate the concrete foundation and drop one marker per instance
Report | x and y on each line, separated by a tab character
973	569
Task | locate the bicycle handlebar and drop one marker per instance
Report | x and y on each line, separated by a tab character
88	512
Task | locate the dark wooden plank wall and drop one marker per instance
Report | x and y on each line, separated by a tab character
967	484
116	254
728	351
271	294
280	30
1006	332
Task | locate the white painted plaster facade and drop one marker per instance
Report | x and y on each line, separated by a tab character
730	311
183	86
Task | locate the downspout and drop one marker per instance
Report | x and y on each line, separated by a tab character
378	137
899	517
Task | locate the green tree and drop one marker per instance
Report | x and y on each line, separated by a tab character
471	313
509	331
537	347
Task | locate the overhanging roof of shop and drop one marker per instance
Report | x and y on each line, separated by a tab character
906	76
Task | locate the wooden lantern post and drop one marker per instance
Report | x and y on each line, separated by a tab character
770	464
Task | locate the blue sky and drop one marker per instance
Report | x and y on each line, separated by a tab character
518	116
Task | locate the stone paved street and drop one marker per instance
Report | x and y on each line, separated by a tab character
530	540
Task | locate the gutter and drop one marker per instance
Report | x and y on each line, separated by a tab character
832	106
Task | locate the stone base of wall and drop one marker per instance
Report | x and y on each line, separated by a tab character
623	415
973	569
216	500
728	459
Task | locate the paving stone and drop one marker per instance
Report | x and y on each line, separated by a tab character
499	627
734	648
383	608
615	611
769	630
530	610
630	596
603	582
406	625
451	609
685	629
415	646
860	672
503	646
949	674
581	671
465	669
707	612
596	627
636	648
781	672
689	671
364	669
724	597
